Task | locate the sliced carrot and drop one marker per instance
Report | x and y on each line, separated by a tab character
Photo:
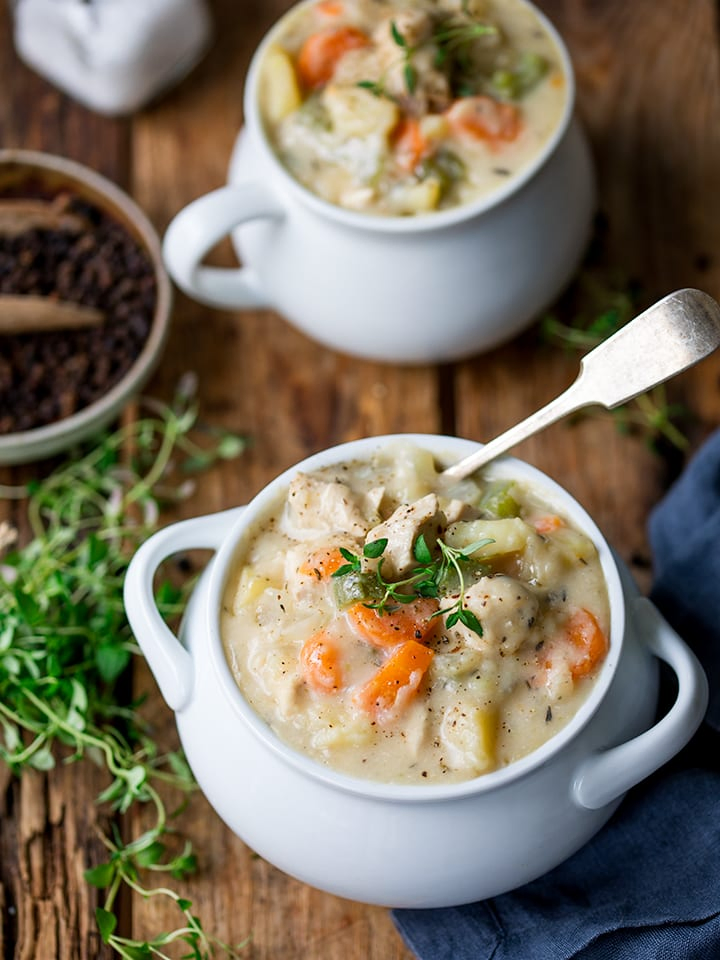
581	646
409	144
590	645
321	52
322	563
411	621
485	119
396	682
320	663
548	523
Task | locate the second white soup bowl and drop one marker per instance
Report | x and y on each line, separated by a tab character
426	288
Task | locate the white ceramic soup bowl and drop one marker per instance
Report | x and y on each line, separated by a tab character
427	288
401	845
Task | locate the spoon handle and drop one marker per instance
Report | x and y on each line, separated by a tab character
572	399
666	339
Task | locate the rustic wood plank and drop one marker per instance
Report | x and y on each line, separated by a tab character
36	116
49	823
49	838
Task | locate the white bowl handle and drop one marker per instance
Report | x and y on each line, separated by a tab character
608	774
169	661
202	224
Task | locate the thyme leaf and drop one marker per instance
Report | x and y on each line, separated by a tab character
397	36
376	87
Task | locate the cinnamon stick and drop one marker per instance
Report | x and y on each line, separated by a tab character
17	215
34	314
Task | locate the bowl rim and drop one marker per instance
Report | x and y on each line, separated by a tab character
221	569
419	223
20	446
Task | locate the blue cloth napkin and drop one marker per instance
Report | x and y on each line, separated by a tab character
647	887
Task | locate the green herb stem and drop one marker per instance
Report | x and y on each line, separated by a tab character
65	642
425	580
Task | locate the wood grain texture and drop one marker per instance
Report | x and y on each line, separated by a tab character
49	823
649	96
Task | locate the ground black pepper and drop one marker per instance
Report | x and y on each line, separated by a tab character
46	377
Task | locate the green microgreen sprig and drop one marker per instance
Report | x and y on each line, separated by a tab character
424	580
66	645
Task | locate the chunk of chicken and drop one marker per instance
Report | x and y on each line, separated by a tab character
472	8
314	505
506	609
411	26
403	42
457	509
402	528
308	567
430	89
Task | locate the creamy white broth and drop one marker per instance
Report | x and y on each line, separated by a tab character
474	114
472	703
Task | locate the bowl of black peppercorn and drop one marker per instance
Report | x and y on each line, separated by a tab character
85	303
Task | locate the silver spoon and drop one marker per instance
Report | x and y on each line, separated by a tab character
672	335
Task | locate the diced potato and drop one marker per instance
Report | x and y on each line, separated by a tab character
414	473
477	9
356	112
453	666
416	197
456	509
574	544
470	735
434	126
274	669
547	559
509	536
358	198
250	587
338	731
484	688
279	89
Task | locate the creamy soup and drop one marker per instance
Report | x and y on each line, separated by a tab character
401	627
400	107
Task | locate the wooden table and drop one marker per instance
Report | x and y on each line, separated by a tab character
649	95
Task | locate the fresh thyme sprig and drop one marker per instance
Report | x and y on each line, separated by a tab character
452	41
378	87
454	558
66	646
424	580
